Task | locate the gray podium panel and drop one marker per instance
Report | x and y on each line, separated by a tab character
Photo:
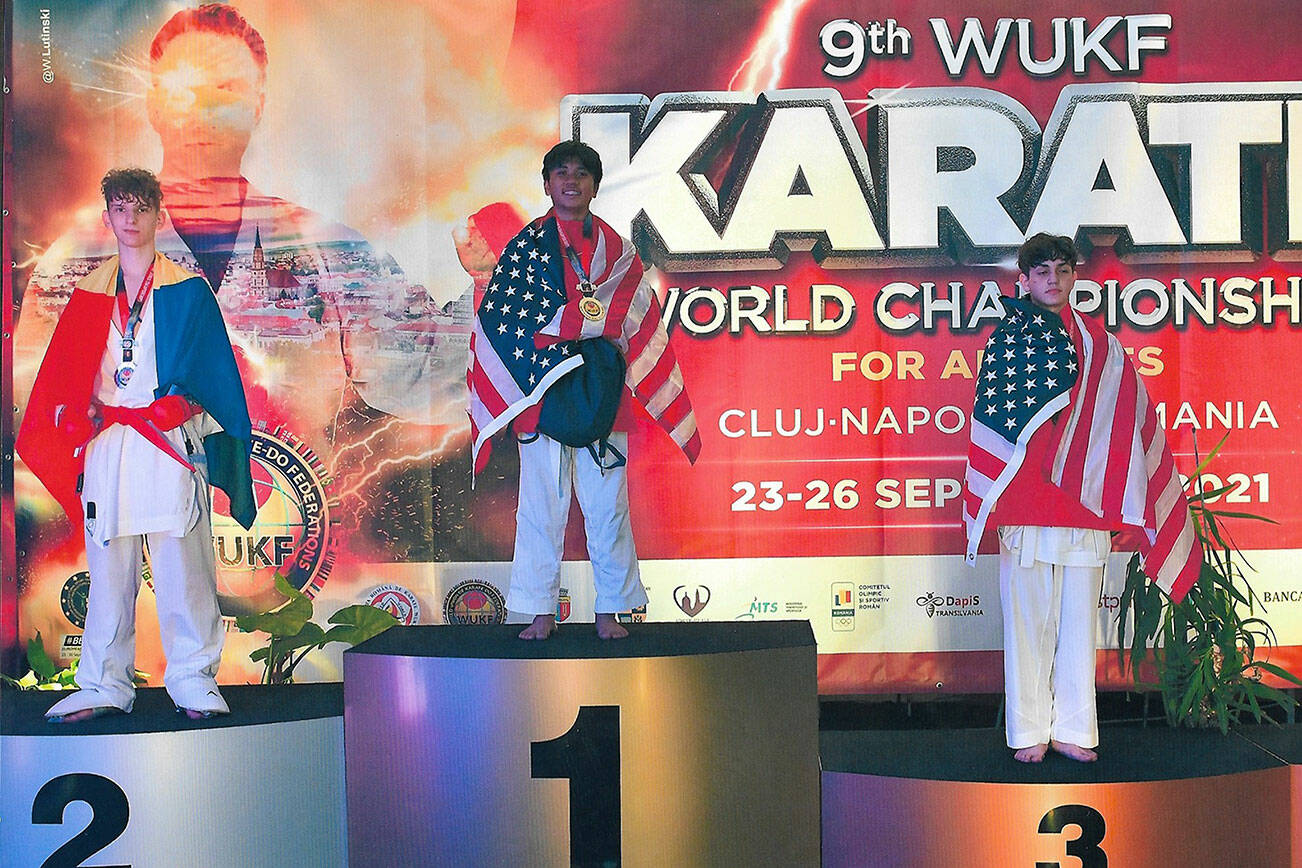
151	789
1156	796
685	744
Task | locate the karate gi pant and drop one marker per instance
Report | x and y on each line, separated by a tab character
549	472
184	573
1049	584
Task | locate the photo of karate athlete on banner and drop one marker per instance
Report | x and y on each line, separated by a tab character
1065	449
137	408
567	291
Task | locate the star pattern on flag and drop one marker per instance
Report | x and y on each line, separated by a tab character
1110	454
512	363
1029	362
516	305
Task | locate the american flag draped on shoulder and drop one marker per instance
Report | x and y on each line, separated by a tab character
1111	452
521	340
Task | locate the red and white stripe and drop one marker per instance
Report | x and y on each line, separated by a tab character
495	399
632	319
1112	451
1115	454
992	462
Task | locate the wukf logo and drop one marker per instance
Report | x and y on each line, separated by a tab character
474	602
291	534
937	606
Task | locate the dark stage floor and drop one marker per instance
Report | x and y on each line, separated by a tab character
955	738
962	739
22	712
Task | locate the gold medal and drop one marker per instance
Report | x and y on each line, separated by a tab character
591	308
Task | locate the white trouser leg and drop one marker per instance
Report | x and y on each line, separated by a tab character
189	621
1075	718
540	517
603	497
1030	613
108	644
1049	651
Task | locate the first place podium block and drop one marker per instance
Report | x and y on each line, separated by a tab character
684	744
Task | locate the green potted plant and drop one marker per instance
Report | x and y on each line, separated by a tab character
292	633
44	673
1206	657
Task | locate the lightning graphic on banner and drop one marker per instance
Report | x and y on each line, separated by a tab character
763	67
352	481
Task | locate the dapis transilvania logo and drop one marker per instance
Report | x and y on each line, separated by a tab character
938	606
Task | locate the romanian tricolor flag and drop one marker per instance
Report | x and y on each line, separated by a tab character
194	358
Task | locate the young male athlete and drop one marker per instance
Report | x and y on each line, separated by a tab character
138	405
1065	450
568	276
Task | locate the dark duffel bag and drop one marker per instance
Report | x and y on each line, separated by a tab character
579	409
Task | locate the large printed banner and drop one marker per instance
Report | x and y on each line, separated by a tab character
828	197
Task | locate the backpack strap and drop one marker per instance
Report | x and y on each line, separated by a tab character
598	452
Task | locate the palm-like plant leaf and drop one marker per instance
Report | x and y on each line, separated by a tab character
1205	646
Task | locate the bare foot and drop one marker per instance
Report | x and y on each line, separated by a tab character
609	628
84	714
543	627
1073	751
1033	754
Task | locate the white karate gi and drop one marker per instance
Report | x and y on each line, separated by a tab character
134	494
1049	584
549	471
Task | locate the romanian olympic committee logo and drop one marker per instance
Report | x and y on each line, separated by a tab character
474	602
691	602
843	607
73	598
291	534
398	601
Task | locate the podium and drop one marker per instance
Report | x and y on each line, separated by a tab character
1156	796
682	744
262	786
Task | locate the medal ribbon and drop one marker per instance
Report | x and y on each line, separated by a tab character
585	282
129	322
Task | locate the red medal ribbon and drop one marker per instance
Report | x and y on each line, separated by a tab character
142	295
586	286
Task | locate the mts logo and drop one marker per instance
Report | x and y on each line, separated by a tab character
253	551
